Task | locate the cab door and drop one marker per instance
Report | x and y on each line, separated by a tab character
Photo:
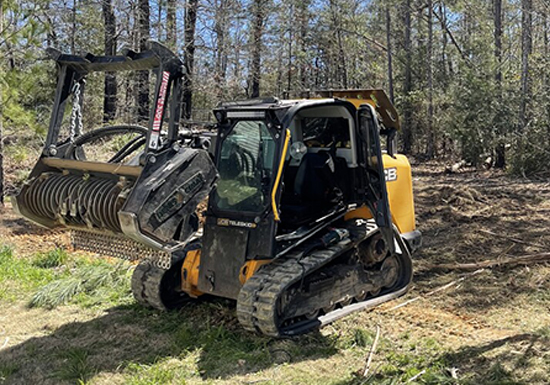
239	225
374	181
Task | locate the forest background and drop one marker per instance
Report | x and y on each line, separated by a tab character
470	78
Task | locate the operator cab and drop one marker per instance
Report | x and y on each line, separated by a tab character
293	159
322	154
315	175
286	170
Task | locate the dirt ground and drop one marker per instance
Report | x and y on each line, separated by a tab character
490	327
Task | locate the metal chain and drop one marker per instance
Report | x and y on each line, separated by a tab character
76	114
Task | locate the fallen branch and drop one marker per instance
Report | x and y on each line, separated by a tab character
455	168
520	260
5	343
515	240
415	377
372	351
444	287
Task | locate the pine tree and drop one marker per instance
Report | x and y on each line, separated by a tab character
110	98
258	19
189	56
143	29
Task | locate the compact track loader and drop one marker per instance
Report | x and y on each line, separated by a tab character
307	220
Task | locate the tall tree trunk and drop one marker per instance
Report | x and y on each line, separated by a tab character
390	54
280	73
500	160
237	58
430	152
110	98
526	48
1	116
51	34
303	20
143	77
128	107
407	85
171	26
160	25
220	28
342	65
189	56
258	19
445	59
73	29
289	53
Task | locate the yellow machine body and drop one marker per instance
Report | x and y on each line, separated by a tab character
400	194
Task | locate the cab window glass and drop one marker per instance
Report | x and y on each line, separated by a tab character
326	132
246	168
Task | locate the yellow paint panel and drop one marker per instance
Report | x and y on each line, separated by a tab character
250	268
400	192
190	273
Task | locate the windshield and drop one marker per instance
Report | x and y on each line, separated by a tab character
245	166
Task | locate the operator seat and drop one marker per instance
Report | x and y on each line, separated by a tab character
314	188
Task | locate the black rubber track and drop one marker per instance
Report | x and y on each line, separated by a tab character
258	302
146	285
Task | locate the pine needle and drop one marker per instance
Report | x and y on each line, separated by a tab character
84	280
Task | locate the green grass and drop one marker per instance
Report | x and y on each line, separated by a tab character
56	277
76	367
6	370
18	276
162	372
87	285
53	258
203	343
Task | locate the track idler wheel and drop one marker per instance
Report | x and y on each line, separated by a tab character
329	308
373	250
312	315
159	288
346	301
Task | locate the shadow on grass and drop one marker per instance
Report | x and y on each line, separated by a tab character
506	361
205	339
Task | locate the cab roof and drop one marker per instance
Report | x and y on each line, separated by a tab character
377	98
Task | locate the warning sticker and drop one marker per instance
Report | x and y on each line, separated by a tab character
159	111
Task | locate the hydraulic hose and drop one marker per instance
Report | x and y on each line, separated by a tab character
102	132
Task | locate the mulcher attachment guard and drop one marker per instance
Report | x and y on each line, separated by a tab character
144	207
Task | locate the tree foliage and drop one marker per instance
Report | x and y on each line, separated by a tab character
471	78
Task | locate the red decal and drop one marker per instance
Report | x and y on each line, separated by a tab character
157	121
